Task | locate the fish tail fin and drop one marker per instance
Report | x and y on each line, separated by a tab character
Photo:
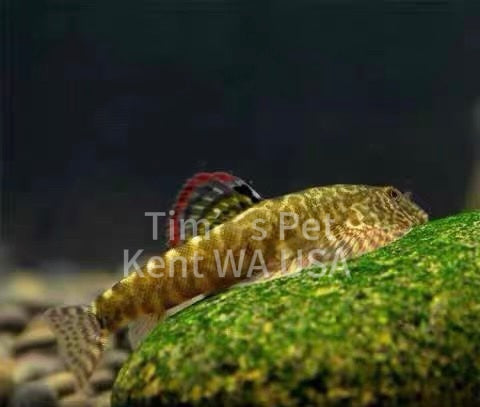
80	339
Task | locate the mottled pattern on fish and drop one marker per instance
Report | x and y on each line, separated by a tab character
361	218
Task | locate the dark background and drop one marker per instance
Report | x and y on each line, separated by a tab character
109	105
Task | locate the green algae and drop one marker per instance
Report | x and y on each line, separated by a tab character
403	329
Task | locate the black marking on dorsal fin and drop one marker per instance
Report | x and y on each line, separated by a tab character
208	198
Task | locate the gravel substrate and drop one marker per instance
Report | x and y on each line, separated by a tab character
31	373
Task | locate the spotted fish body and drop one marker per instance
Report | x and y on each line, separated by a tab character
350	219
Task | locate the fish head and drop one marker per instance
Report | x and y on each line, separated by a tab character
390	210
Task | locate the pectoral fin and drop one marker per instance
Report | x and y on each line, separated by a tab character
186	304
141	327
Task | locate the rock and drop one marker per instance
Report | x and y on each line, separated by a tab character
13	318
34	394
33	366
403	329
37	335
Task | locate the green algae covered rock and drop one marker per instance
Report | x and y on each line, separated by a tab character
403	329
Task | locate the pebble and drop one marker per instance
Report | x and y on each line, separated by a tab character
114	359
34	394
36	306
23	288
6	379
7	339
37	335
102	379
32	366
103	399
76	400
13	318
61	383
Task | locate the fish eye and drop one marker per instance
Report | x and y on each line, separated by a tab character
394	194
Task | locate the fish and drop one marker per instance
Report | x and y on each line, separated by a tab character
220	226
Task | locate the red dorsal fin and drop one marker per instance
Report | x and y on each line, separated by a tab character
211	196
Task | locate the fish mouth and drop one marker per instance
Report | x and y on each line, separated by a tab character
419	214
423	216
